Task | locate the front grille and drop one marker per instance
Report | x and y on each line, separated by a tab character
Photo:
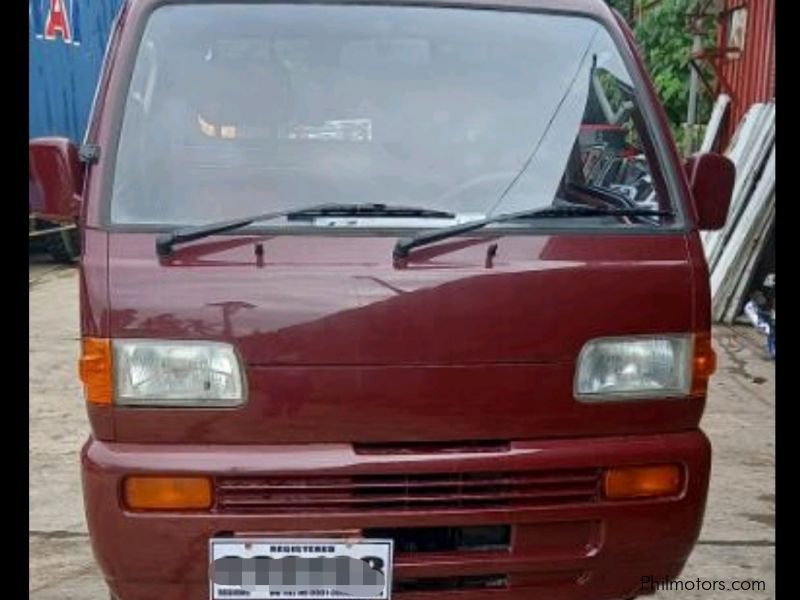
413	540
406	492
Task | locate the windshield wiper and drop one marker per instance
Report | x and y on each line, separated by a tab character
405	245
167	241
370	210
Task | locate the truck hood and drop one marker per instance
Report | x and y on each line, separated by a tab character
342	346
340	300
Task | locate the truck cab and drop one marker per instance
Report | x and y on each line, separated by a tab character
411	284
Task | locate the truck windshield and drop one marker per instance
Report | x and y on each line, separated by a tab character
244	109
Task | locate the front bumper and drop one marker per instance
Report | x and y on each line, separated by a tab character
578	550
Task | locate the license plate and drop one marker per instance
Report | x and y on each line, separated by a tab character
283	568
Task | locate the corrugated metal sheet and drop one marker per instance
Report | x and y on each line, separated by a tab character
66	44
750	75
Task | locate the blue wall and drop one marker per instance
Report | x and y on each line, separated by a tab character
64	62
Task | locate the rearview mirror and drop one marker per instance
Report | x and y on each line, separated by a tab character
55	177
711	179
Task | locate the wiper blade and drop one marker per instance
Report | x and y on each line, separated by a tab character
166	242
371	210
405	245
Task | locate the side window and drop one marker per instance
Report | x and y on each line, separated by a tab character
611	149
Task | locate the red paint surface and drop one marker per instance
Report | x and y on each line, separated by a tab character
472	353
163	556
749	76
56	179
342	346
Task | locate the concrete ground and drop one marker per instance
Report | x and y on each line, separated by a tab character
737	542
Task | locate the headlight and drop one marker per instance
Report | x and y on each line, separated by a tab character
636	367
156	373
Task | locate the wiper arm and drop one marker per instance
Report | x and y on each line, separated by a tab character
404	246
166	242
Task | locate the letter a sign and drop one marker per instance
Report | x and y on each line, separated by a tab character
57	22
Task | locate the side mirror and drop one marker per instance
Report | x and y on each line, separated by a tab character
55	177
711	179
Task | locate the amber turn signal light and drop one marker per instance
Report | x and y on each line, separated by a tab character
94	367
149	492
704	363
623	483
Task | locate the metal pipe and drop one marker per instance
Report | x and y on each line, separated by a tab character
42	232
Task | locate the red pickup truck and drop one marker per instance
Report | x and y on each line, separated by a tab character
371	307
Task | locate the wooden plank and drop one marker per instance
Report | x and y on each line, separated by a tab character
725	277
715	122
739	280
749	154
753	152
725	274
737	147
744	240
737	299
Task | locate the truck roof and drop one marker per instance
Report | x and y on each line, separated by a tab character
596	8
